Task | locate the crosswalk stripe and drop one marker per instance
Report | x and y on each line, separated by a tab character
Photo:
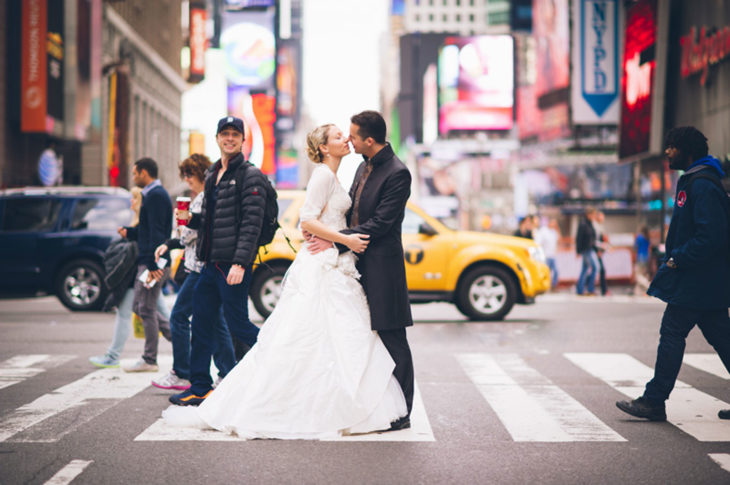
106	385
722	459
691	410
420	430
21	367
708	362
529	405
66	474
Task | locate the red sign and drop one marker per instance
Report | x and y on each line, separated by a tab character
263	109
699	55
638	78
198	42
33	68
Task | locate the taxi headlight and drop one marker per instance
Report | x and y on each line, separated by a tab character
537	253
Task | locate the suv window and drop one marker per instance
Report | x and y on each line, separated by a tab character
105	214
411	221
30	214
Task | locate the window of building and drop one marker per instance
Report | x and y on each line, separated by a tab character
430	17
471	17
31	214
444	18
498	18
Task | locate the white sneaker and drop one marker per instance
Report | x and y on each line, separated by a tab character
140	366
171	381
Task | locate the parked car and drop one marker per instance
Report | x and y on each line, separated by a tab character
53	240
483	274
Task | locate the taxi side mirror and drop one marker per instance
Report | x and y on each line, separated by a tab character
425	228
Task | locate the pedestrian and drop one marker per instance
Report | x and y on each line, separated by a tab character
192	170
585	246
525	228
602	246
641	265
229	226
693	278
547	236
121	292
155	226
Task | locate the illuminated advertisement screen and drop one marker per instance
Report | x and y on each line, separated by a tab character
247	41
638	78
476	83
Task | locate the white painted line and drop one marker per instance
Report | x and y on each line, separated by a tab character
689	409
109	384
529	405
66	474
722	459
709	363
18	368
420	430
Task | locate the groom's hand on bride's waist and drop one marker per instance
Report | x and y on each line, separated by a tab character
317	244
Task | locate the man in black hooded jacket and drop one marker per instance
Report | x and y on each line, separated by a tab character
228	232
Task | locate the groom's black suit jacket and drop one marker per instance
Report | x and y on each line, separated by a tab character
381	211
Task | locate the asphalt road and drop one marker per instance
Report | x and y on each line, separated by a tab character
527	400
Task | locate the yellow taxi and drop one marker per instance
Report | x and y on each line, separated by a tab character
483	274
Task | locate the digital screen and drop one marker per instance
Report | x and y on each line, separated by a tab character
476	83
638	78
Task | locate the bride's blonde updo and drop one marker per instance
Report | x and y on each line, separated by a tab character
315	138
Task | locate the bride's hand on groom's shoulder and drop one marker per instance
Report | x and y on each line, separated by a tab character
317	245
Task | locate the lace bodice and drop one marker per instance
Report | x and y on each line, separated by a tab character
326	199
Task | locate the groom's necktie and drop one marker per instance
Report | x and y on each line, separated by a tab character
355	218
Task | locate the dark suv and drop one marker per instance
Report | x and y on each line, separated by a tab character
53	240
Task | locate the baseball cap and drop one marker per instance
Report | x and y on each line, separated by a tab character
232	121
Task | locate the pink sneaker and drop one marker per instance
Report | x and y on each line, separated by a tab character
171	381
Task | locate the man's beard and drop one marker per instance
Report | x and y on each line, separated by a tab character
679	162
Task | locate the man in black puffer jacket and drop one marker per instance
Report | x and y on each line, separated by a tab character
228	232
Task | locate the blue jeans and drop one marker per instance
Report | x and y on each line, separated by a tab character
223	357
588	270
676	325
123	322
212	291
553	272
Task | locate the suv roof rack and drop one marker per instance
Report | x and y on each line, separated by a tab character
65	190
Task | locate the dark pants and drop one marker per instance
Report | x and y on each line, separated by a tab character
602	274
397	344
211	292
180	325
676	325
145	306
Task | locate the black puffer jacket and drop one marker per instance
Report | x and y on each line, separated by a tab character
231	234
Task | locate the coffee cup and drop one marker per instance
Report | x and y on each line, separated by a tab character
183	205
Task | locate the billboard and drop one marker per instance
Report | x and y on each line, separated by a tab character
33	74
595	87
476	83
643	80
198	41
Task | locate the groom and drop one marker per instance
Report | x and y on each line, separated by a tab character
379	193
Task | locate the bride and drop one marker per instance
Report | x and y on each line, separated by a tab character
317	370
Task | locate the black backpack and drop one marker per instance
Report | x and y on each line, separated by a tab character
271	211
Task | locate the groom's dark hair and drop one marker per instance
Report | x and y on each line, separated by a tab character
370	124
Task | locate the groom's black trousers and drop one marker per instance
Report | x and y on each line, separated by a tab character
397	344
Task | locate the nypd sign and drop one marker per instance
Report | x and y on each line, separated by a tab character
595	83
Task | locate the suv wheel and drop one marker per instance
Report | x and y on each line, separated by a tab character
266	288
486	293
80	285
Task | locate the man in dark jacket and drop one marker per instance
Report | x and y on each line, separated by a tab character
585	246
379	193
155	226
694	277
228	232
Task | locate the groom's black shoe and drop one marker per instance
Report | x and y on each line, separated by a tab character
724	414
400	423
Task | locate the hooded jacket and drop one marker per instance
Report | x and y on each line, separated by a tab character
698	242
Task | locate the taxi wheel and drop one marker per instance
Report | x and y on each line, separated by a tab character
266	288
486	293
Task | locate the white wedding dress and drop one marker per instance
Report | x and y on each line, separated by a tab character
317	370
